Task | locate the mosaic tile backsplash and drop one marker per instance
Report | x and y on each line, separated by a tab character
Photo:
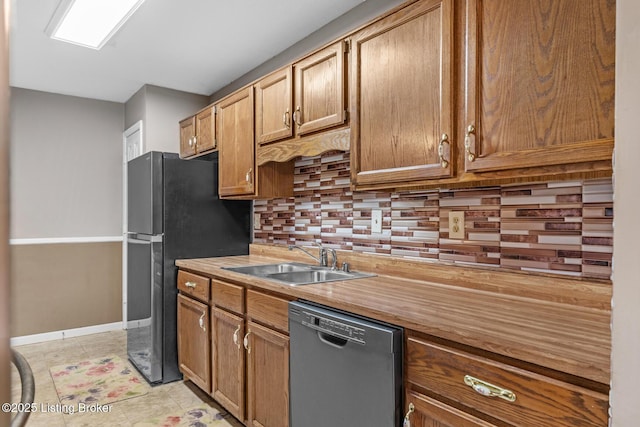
557	227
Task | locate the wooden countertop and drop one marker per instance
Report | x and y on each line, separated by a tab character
569	334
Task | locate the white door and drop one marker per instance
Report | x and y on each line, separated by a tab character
133	146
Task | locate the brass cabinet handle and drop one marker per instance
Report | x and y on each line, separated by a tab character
246	342
235	337
191	142
444	138
191	285
195	140
201	322
486	389
469	139
285	119
407	421
247	177
296	117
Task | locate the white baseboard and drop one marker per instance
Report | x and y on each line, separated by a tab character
67	333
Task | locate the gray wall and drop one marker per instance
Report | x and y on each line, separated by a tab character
66	170
66	182
160	110
340	26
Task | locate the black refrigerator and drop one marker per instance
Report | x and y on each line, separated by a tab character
173	212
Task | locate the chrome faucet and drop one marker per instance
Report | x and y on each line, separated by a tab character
322	255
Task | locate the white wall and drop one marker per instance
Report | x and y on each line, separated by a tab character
66	171
625	379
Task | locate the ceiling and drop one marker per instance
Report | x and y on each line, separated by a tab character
196	46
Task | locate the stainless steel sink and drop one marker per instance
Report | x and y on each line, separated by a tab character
266	269
294	274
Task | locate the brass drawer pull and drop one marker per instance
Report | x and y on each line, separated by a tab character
285	119
471	133
407	421
191	285
445	138
489	390
246	342
236	339
297	119
201	322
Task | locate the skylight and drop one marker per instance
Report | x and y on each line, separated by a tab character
90	23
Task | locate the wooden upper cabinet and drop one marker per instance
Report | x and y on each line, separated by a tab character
187	135
198	133
304	98
274	107
236	173
206	130
540	84
320	90
401	97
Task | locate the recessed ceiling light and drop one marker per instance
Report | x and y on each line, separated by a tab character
90	23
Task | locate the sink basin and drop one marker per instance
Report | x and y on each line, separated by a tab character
294	274
266	269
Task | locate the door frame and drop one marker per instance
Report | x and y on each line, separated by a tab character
136	128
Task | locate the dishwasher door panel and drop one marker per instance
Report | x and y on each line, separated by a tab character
341	383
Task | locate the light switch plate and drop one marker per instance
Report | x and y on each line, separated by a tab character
456	225
376	221
256	221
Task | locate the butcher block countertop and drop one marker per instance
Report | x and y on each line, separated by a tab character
558	323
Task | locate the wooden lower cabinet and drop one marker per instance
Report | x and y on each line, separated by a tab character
193	341
267	377
236	352
511	395
428	412
228	361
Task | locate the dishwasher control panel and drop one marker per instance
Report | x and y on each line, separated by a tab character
334	327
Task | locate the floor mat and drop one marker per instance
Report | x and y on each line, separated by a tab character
199	416
97	382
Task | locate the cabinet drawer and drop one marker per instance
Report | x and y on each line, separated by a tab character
429	412
194	285
267	309
539	400
227	296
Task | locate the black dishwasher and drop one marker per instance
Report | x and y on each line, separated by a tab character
345	370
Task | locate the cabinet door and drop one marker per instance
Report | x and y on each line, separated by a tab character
193	341
267	377
401	96
319	90
187	135
273	107
227	363
206	130
547	98
236	144
428	412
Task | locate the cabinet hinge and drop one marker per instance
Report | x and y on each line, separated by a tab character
347	46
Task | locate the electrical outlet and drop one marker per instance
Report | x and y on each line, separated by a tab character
376	221
256	221
456	225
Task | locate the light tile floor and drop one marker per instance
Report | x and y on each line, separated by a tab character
161	399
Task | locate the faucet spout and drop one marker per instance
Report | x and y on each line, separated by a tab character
321	258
